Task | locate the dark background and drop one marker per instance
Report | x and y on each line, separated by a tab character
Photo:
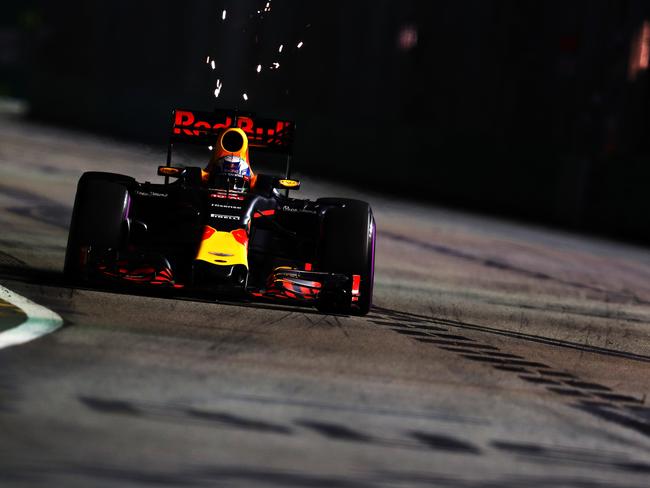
536	110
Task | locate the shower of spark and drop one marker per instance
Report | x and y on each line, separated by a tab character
258	67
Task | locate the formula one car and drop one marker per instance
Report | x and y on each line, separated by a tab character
223	229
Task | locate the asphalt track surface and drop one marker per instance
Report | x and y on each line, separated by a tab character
496	355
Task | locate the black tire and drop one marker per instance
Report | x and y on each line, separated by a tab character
98	218
347	245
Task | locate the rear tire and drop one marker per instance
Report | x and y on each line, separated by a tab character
99	219
347	246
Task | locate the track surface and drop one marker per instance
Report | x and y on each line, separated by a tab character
497	355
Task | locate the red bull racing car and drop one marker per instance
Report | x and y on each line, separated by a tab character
222	228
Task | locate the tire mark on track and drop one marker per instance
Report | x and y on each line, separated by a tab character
618	315
438	324
593	398
280	319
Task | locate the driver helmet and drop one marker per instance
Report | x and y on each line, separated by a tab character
228	167
230	172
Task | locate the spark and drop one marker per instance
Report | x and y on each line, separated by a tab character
276	65
280	48
223	14
267	7
213	64
217	90
299	45
210	148
259	68
207	60
644	52
245	96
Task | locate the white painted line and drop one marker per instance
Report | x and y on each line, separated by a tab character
40	320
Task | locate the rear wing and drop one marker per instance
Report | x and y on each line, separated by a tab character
202	128
194	127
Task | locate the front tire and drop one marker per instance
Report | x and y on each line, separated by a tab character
347	246
99	220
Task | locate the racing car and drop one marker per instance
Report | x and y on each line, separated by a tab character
222	228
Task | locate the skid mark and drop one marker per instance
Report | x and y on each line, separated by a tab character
594	398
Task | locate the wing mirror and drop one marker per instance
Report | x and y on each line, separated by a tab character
170	171
286	184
